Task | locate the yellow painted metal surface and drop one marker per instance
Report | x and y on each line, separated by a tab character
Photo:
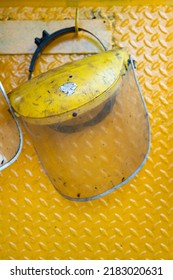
133	222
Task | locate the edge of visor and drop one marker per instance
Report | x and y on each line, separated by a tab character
18	151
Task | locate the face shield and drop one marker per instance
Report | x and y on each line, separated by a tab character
89	125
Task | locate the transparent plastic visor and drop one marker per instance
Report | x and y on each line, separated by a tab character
98	152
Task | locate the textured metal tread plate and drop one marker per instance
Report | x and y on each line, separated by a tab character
134	222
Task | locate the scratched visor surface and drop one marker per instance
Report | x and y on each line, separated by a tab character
95	153
133	222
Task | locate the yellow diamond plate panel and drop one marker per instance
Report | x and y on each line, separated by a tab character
133	222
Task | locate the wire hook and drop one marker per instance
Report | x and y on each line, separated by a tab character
77	21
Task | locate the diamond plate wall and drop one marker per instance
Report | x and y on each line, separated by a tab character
134	222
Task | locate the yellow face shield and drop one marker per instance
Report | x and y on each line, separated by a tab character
88	122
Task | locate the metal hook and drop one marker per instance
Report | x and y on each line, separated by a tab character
77	21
